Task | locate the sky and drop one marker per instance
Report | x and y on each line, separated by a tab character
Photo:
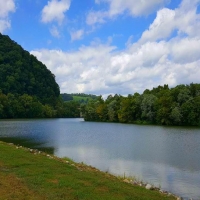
109	46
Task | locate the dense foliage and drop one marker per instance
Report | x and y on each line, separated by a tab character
27	88
26	106
21	73
66	97
161	105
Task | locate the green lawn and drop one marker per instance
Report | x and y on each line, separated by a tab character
30	175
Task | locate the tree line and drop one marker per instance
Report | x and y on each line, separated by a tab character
162	105
26	106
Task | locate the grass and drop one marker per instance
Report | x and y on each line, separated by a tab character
79	98
30	174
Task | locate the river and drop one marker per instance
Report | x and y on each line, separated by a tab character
167	157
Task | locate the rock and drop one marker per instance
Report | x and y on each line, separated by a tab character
134	182
126	181
148	187
179	198
79	169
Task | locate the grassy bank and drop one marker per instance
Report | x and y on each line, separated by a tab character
29	174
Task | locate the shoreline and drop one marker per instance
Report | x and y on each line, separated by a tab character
84	167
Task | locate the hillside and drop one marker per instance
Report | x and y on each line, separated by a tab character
79	97
21	73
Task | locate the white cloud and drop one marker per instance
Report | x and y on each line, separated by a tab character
187	20
55	32
6	7
185	50
162	26
4	24
183	19
77	35
134	7
80	69
117	7
95	17
55	11
98	69
156	58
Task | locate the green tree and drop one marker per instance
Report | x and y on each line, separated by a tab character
113	111
148	107
163	107
191	112
176	116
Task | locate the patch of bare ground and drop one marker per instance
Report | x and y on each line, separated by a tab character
12	187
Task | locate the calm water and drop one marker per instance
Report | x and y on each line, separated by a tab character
168	157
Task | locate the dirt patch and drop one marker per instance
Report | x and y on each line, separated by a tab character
11	187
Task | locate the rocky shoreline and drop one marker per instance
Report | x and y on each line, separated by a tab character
82	167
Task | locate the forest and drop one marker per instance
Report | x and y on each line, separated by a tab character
27	88
162	105
21	73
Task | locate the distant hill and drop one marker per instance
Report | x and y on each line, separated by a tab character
21	73
79	97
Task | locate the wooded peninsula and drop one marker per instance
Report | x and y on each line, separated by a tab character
162	105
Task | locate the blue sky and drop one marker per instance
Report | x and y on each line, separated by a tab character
109	46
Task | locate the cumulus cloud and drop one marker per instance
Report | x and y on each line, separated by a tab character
162	26
155	59
55	11
77	35
99	69
117	7
80	67
184	20
185	50
6	7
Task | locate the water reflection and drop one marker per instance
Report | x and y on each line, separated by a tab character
29	144
164	156
178	181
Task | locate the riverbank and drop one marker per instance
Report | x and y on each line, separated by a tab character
30	174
